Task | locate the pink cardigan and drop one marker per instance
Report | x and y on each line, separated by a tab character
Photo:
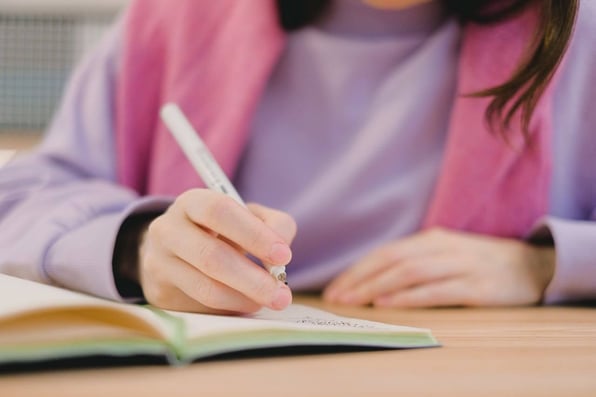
214	58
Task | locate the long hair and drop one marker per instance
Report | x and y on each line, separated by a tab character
522	91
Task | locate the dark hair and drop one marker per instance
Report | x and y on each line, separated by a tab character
524	88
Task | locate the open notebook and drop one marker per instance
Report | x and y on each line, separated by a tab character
40	323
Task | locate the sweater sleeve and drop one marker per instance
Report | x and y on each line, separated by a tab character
60	205
572	220
575	273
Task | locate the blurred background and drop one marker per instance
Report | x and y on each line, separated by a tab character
40	43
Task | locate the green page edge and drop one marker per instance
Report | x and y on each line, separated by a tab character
270	338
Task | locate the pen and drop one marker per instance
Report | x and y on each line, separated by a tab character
203	162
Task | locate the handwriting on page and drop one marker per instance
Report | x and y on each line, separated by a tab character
313	318
332	322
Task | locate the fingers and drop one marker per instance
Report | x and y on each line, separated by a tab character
445	268
445	293
217	261
281	223
184	288
369	266
224	216
402	275
419	245
193	257
278	221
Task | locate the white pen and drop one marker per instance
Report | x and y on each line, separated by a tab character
203	161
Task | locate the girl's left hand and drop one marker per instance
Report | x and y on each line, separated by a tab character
440	267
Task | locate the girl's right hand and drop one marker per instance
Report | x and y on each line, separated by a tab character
193	257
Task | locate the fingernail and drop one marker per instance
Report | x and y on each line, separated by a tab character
280	254
282	298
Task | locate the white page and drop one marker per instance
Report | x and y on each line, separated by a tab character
295	317
23	296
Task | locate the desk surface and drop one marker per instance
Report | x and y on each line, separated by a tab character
18	140
486	352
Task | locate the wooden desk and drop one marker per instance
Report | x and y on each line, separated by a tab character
487	352
14	142
21	140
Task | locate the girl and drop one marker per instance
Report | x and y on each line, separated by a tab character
431	153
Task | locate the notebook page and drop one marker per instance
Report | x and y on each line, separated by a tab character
295	317
23	296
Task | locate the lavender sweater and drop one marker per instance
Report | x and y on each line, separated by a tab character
350	129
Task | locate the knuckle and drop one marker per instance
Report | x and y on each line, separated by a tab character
184	199
161	231
190	196
158	227
218	209
257	240
209	257
192	202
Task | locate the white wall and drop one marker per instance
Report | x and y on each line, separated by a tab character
62	6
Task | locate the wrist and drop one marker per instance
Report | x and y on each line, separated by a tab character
544	264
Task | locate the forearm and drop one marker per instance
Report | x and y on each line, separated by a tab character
61	229
45	212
